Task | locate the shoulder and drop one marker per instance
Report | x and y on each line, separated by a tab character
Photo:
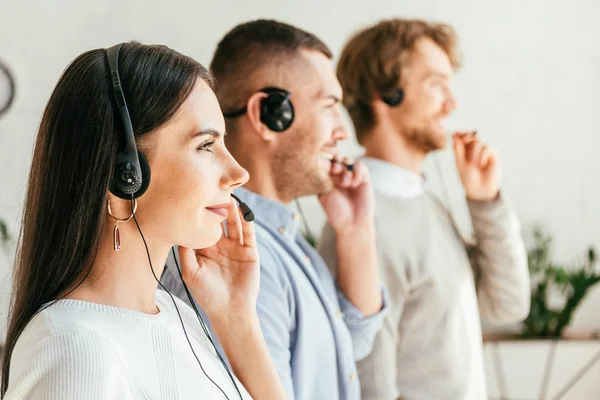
61	322
395	207
70	347
55	329
55	363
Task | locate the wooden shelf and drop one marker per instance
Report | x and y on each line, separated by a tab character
510	337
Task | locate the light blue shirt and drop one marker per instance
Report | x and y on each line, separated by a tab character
314	334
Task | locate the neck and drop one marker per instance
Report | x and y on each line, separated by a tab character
124	278
262	175
388	144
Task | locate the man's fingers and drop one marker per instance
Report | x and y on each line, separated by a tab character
459	152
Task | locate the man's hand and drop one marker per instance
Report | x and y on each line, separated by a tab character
478	167
351	203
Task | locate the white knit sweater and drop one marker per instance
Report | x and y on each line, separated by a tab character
80	350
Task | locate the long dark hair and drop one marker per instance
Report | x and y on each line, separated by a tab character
72	164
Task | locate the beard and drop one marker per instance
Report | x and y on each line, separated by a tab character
300	171
426	139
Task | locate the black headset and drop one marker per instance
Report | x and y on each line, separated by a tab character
276	110
395	98
131	176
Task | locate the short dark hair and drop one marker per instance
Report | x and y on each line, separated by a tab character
248	47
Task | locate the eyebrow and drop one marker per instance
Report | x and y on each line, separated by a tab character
436	75
212	132
333	97
325	94
322	95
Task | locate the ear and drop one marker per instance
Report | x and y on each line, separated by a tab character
382	112
378	105
253	111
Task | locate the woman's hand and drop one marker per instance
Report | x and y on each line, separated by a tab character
224	278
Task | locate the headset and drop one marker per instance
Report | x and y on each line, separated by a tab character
130	180
276	110
131	176
395	98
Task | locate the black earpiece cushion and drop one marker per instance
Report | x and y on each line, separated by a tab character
145	167
395	98
277	112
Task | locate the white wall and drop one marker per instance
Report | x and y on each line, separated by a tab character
530	86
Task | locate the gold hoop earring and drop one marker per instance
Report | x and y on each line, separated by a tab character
116	233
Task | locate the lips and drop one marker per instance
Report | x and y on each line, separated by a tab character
220	210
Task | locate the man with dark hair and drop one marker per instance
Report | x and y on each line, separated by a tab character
396	78
277	87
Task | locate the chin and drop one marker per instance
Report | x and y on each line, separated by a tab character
323	186
213	235
313	181
206	237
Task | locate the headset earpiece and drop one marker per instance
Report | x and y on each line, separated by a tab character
123	191
131	176
395	98
276	110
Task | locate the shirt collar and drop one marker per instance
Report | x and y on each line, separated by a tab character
271	213
392	180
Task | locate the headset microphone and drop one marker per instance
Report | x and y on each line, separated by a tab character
247	213
330	157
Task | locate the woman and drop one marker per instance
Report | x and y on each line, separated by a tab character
87	320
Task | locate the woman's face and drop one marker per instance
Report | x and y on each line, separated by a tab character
192	174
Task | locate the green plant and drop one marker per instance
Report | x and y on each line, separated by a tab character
551	281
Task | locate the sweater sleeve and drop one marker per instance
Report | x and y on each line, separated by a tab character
67	366
500	262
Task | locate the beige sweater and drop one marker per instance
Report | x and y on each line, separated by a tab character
430	346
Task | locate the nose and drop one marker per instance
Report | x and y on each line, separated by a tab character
234	176
450	103
340	132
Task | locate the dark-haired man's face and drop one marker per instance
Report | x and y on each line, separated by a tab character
428	99
301	156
